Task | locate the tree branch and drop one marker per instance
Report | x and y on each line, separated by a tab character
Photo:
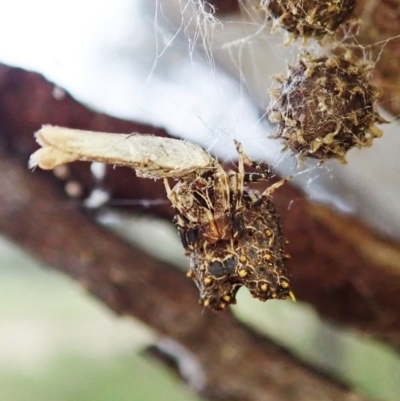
343	268
238	365
380	33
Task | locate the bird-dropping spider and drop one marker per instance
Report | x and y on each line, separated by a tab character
232	235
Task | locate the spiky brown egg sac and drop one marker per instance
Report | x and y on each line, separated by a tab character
324	107
308	18
254	259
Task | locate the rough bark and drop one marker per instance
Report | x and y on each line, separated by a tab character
238	364
380	34
344	269
338	264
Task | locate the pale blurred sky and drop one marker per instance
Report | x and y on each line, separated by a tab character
49	36
104	53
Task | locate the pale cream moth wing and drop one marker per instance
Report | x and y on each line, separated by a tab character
150	156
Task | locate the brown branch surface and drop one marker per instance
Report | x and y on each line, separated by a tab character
237	363
339	265
380	35
225	6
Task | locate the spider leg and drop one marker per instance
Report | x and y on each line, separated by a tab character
261	166
171	195
264	171
237	179
274	187
264	174
256	177
188	233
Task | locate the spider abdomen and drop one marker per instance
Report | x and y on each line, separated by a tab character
254	259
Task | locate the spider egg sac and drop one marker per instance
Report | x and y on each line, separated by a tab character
308	18
324	107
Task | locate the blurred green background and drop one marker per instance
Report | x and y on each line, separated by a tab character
59	343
